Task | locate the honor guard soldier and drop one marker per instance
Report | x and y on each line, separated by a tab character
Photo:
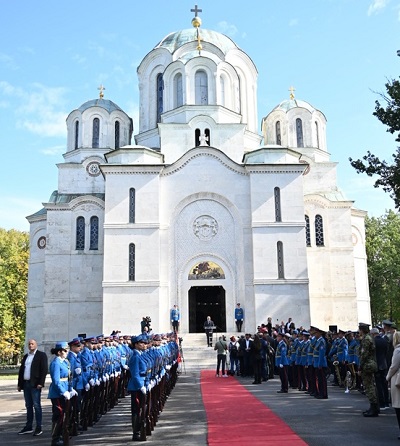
282	362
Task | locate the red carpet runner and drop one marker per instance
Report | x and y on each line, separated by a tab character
236	417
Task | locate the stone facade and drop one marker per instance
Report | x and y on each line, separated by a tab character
197	212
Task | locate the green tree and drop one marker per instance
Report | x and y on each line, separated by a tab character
389	174
383	253
14	256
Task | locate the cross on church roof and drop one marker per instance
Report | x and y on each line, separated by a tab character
292	90
196	10
101	88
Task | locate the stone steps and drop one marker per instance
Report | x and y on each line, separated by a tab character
196	354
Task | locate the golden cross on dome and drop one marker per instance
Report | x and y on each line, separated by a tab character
292	90
196	10
196	22
101	88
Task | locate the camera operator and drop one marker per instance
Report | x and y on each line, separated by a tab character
145	325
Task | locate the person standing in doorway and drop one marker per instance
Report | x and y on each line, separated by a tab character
208	328
239	316
175	318
31	379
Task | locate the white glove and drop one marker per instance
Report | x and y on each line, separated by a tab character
148	387
235	320
104	378
126	367
281	366
143	390
97	382
112	375
87	387
168	367
73	393
67	395
78	370
91	382
107	376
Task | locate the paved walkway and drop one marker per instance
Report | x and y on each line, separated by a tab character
183	421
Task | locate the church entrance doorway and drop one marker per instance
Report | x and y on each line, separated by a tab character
206	301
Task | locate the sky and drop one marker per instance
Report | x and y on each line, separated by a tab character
338	55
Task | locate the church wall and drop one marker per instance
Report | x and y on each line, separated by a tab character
73	178
34	304
281	301
146	203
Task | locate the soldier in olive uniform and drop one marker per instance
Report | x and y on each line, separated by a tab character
368	367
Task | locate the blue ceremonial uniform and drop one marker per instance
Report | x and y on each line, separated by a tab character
320	365
281	361
60	373
239	316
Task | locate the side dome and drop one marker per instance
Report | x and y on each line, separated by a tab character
289	104
108	105
175	40
98	124
296	124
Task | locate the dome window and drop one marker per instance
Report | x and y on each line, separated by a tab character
299	133
201	88
278	133
96	133
178	90
76	136
317	133
116	134
160	91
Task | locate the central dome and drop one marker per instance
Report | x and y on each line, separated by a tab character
177	39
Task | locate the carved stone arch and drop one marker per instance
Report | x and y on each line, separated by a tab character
173	69
86	203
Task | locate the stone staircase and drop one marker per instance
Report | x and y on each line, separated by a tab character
196	354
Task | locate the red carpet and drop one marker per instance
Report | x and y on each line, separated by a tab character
236	417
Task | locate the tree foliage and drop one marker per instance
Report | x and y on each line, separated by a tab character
383	253
14	256
370	164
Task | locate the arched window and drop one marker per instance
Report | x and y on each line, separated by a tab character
132	203
80	234
94	233
76	136
222	90
299	133
96	133
279	252
308	235
131	261
178	90
277	198
116	134
201	88
317	133
160	91
278	132
207	135
197	137
319	231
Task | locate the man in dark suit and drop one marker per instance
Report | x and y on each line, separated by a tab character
381	349
31	379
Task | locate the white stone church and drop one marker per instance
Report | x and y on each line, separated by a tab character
198	209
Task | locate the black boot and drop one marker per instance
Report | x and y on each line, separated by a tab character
373	411
135	428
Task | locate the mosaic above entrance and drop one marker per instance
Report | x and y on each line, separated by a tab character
206	270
